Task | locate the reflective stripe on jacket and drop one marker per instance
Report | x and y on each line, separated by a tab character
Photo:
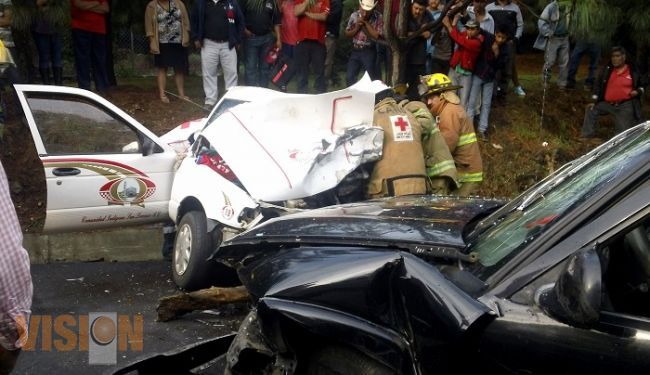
437	158
458	132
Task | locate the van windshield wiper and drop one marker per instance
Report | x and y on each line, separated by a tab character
440	252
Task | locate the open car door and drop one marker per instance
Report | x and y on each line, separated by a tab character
102	167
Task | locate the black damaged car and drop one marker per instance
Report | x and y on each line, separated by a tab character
557	280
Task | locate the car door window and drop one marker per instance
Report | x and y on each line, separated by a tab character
626	272
70	124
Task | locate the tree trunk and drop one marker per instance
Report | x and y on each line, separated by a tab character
172	307
110	64
399	43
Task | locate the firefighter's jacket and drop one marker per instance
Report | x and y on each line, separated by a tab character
401	170
437	158
458	132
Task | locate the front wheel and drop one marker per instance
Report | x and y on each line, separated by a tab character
193	245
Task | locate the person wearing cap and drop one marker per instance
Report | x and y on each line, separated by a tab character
401	170
437	91
477	12
463	60
364	26
492	57
553	39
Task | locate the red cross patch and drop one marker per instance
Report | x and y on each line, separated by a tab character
402	130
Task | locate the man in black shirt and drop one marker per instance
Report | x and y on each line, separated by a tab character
217	27
333	26
262	20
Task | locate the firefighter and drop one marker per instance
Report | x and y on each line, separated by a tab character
440	167
437	91
401	170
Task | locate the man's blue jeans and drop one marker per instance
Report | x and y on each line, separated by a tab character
361	60
310	54
480	90
49	49
90	59
255	50
594	57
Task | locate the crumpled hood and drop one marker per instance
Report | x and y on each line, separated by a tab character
429	220
295	146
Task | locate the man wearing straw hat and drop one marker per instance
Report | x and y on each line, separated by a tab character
364	26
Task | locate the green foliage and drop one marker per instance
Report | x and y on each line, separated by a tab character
22	16
596	20
25	13
639	19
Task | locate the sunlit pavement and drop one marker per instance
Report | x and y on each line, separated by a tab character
67	296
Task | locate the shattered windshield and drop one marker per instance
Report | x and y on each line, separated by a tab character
537	210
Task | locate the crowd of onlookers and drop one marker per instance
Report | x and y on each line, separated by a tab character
476	48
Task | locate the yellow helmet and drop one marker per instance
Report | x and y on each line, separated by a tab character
435	83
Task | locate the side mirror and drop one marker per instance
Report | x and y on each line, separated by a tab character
149	147
575	298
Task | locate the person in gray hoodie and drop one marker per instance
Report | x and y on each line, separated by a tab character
553	39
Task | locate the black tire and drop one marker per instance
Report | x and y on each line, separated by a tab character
341	360
193	245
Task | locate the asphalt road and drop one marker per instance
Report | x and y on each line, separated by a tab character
66	293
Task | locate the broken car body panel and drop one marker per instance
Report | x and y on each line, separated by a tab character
299	145
334	277
385	302
408	219
105	169
94	177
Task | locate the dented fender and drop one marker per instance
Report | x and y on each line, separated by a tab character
390	305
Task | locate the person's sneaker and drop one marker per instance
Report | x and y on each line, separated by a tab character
520	91
482	136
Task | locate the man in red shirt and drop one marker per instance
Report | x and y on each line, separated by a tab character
617	92
468	48
310	50
89	42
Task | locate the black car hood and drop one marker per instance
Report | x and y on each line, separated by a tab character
430	220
